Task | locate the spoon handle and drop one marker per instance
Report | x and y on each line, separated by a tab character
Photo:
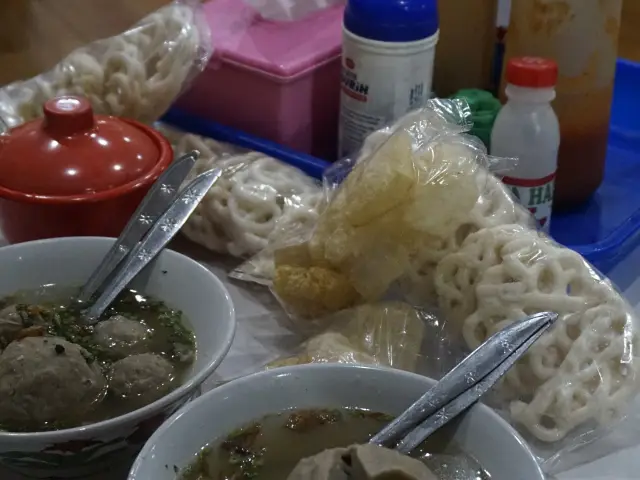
158	236
478	365
162	193
458	405
4	126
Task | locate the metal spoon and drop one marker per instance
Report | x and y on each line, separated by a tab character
158	236
163	192
464	385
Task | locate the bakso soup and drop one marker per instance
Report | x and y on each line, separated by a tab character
327	445
56	372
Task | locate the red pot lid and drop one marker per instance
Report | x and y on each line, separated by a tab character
71	151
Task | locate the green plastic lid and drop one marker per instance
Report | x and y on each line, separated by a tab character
484	109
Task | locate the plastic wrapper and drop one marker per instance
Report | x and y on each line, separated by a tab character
388	334
418	214
579	379
256	192
495	206
411	192
137	74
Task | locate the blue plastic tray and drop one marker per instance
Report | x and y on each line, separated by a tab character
604	231
312	166
607	228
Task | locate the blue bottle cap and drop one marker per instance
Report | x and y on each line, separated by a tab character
392	20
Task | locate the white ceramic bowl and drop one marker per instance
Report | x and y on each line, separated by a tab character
180	282
481	433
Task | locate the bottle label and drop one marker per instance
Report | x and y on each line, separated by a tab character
378	88
536	195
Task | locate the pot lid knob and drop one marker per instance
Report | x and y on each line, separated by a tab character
67	116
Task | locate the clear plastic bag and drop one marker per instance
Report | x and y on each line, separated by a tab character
389	334
494	206
579	379
420	216
407	192
256	193
137	74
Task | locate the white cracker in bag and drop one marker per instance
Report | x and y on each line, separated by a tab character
585	368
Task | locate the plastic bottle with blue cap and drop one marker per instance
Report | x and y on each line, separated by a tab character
387	64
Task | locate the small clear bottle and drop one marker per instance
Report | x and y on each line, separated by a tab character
527	128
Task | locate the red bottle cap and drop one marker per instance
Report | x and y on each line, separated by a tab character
532	72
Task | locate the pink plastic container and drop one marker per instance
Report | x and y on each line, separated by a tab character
276	80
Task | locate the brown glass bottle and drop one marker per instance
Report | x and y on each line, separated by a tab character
582	37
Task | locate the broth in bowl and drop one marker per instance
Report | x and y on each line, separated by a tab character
271	396
56	372
270	449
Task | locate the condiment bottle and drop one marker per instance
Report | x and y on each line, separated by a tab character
582	37
527	128
387	64
467	31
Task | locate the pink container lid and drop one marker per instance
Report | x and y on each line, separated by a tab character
279	49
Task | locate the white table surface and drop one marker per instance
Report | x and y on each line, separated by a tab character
260	338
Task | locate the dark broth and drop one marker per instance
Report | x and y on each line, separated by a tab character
270	448
52	312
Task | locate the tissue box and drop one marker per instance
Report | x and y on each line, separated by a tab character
279	80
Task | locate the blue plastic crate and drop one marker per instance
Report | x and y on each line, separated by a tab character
312	166
604	231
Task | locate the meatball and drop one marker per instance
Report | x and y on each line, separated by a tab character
121	335
45	380
361	462
146	376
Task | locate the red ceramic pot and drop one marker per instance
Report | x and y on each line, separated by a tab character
73	173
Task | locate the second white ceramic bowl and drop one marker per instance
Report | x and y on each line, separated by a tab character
481	433
177	280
